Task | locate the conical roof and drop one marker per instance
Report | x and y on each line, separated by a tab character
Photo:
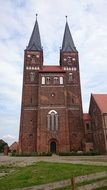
35	41
68	44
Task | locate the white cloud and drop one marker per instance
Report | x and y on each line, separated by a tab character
9	138
88	24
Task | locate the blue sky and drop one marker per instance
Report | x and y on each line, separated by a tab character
88	24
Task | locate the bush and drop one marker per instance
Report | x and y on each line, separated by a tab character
80	153
31	154
2	145
44	153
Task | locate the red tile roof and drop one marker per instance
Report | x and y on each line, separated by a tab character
86	117
52	69
14	146
101	100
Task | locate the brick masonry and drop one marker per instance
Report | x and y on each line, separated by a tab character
51	110
39	99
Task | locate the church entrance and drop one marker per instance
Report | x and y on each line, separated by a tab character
53	147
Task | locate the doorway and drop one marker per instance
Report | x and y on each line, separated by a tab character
53	147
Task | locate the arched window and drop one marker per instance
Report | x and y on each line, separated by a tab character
61	80
33	59
48	80
70	77
52	120
32	76
43	80
56	80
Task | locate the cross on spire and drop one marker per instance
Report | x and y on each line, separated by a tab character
35	40
66	17
36	16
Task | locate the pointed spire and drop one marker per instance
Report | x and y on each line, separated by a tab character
35	41
68	44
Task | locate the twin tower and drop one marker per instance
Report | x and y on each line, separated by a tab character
51	110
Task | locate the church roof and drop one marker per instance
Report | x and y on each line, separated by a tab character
68	44
35	41
101	100
52	69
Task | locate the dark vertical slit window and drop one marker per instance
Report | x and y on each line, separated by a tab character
31	100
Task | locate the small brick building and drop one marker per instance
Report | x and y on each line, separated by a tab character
98	113
14	147
51	112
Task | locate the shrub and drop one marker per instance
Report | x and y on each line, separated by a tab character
80	153
31	154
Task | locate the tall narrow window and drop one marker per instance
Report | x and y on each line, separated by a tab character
33	59
48	80
56	80
48	121
73	100
31	100
32	76
52	120
43	80
70	77
61	80
56	118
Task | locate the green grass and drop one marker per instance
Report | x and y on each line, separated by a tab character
44	172
7	168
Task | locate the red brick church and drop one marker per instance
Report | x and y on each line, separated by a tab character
52	119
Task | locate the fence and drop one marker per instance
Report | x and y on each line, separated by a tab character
87	178
99	177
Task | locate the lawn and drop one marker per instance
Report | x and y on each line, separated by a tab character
102	188
44	172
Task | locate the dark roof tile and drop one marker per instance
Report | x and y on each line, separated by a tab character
68	44
35	41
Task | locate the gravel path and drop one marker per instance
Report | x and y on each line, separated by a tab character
23	161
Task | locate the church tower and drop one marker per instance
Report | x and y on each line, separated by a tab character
33	61
70	62
51	112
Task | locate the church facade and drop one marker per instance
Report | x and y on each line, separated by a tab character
51	110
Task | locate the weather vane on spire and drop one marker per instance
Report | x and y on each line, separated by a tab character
66	18
36	15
